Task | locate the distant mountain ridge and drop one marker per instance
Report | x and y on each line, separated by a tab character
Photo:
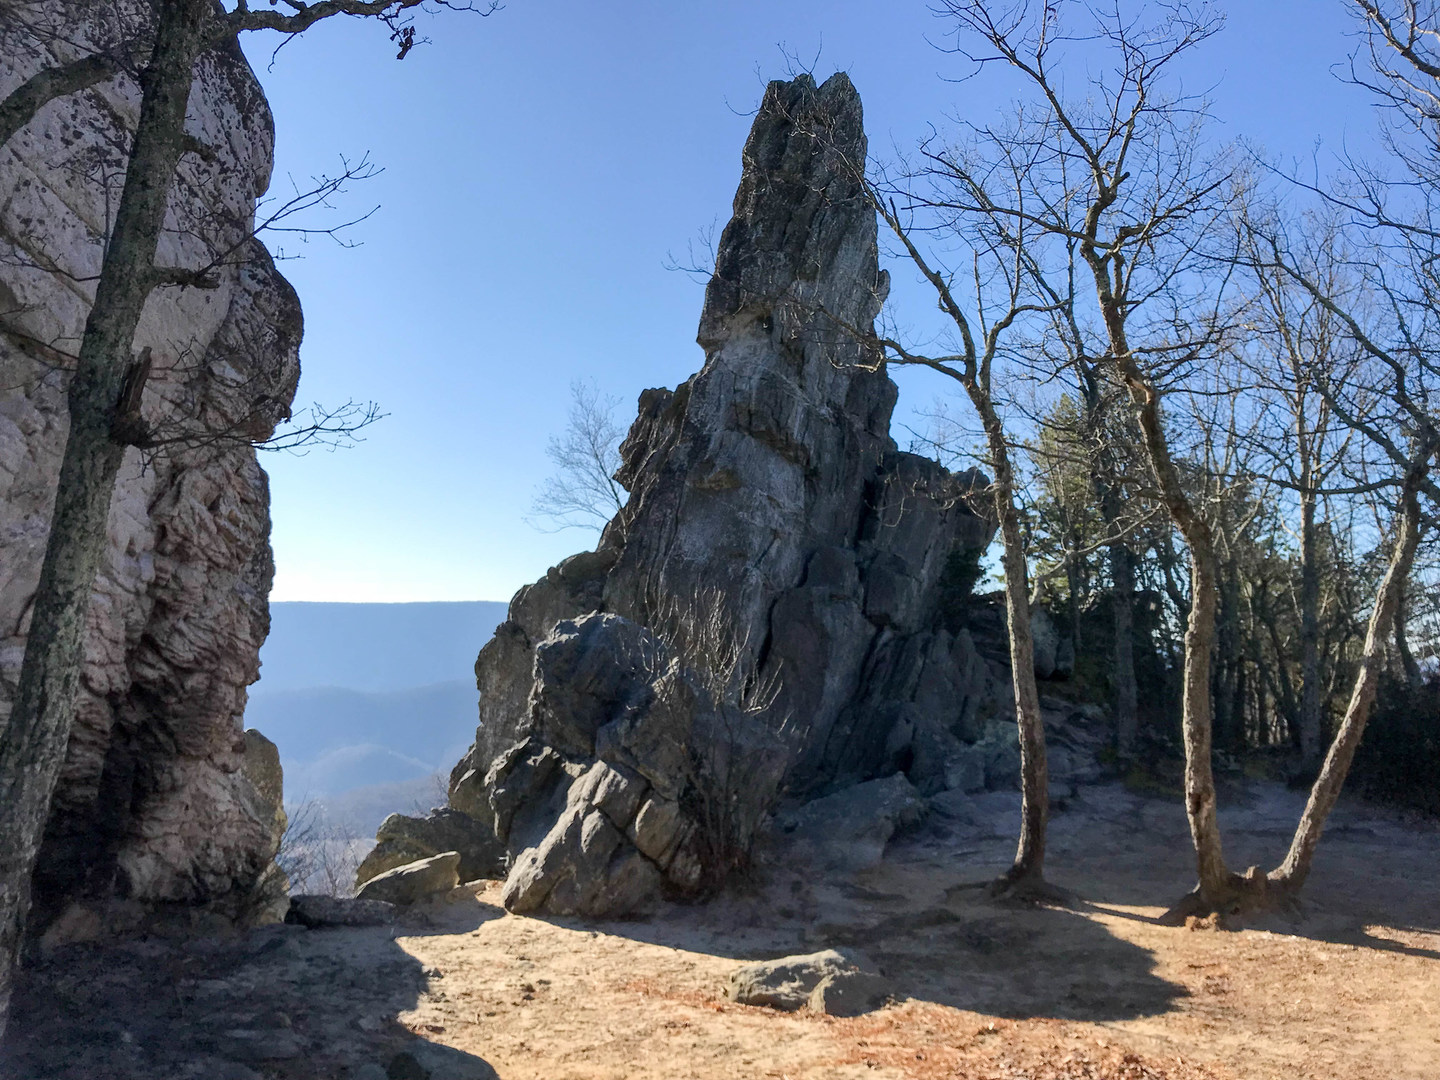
373	646
368	702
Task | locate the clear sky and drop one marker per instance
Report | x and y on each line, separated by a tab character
539	164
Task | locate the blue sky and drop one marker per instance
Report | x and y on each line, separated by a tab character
539	165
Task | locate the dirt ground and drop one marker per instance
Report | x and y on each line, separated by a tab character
1349	989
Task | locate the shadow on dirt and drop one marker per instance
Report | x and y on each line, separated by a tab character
965	951
1376	867
277	1003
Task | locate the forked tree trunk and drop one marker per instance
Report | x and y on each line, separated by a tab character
1290	875
1216	884
35	735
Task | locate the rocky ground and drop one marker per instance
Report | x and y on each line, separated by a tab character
1100	991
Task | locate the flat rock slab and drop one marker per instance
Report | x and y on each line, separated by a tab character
414	881
837	982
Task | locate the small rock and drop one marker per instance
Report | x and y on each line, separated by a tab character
414	881
842	982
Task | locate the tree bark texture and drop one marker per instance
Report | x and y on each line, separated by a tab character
37	730
1029	864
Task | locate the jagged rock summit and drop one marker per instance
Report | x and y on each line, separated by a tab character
768	610
162	798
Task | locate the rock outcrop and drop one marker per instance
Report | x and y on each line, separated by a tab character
156	802
775	608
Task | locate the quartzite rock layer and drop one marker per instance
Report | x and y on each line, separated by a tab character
153	803
770	607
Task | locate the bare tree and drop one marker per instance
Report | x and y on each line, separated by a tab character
1115	180
156	46
583	492
1391	398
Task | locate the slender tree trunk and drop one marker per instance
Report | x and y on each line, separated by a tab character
1290	875
1310	726
1027	872
37	730
1216	885
1196	710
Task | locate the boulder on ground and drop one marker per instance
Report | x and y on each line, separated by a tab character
413	882
839	982
850	828
403	839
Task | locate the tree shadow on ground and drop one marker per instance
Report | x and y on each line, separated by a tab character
963	951
1374	880
276	1003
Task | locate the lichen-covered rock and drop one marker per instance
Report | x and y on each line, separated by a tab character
153	801
769	602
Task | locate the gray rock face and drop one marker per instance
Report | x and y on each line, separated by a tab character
766	611
413	882
850	828
155	800
403	839
839	982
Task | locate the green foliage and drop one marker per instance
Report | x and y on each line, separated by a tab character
956	588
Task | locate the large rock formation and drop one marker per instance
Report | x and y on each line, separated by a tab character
775	605
154	802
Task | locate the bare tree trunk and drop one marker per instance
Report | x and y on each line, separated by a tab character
1310	733
36	733
1290	875
1216	885
1196	711
1026	875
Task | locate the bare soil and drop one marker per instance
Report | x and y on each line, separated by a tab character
1348	988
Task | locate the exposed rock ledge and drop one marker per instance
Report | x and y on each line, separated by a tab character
781	605
153	803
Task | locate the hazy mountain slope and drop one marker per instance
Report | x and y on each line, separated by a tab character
373	646
367	702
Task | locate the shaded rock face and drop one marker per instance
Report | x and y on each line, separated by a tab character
153	802
764	612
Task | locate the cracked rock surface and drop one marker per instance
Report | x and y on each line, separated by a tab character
781	606
156	801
